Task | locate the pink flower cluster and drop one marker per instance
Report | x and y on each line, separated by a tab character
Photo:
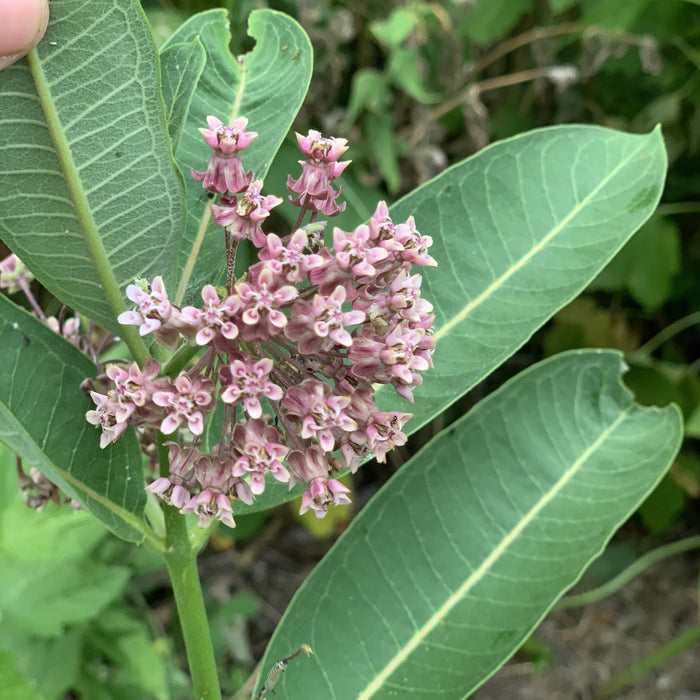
14	275
293	351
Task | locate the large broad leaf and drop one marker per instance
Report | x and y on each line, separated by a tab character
42	418
461	554
267	86
519	230
89	193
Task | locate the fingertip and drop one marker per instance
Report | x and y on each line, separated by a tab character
22	25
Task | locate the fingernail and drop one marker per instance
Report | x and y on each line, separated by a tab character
8	60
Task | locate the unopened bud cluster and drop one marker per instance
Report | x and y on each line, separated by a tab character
291	352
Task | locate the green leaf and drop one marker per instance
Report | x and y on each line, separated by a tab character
41	597
91	197
561	5
181	67
369	91
613	15
42	418
53	663
125	640
491	20
396	28
519	229
267	86
448	569
663	507
646	265
51	535
404	70
13	684
379	130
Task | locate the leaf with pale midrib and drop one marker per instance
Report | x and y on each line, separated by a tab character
459	556
89	193
266	85
519	230
42	418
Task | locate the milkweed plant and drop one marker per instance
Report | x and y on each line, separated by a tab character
257	356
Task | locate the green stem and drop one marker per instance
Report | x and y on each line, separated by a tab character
641	668
181	560
625	576
182	567
180	359
678	208
666	334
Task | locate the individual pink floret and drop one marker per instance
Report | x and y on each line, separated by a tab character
313	187
322	415
225	171
154	312
394	359
247	380
132	387
289	260
14	274
105	415
176	488
354	252
216	480
215	318
415	245
185	403
259	448
310	467
320	325
242	218
262	298
227	139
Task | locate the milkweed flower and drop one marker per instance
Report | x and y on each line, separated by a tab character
242	217
292	351
225	171
14	274
320	167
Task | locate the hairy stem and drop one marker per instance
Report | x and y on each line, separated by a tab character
181	560
182	568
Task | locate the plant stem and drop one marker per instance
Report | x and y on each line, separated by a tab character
626	575
181	560
678	208
180	359
656	658
182	567
666	334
